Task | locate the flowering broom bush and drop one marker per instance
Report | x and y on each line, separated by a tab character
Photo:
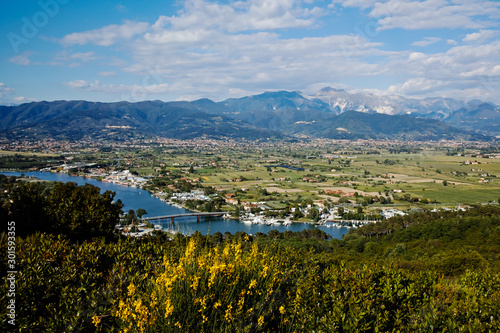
221	289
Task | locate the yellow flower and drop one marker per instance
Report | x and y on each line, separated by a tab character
225	252
261	320
131	289
194	285
96	320
190	249
264	270
217	304
178	325
253	283
241	302
282	309
169	308
228	316
203	302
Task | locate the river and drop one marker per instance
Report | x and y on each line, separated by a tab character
135	198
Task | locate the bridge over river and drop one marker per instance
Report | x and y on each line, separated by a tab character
172	217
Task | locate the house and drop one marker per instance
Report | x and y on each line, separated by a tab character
232	201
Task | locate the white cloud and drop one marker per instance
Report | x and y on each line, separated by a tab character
20	99
133	92
79	84
240	16
471	70
6	94
107	73
419	85
427	41
63	58
219	50
230	61
77	56
23	58
228	64
429	14
107	35
355	3
481	36
4	89
121	8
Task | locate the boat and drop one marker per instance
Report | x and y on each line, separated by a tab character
272	221
259	220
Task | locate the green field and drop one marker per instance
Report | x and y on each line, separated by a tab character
371	169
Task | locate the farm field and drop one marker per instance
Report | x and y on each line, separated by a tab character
421	175
417	174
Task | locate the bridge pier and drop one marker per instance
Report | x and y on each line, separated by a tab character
197	218
173	220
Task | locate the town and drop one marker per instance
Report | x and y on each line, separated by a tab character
325	182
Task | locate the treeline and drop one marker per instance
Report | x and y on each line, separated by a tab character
24	162
421	272
78	212
450	242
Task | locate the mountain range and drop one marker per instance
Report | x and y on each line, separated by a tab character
329	113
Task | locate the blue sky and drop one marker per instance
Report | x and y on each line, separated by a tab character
184	50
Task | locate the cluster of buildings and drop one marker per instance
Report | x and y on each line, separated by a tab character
91	170
124	177
193	195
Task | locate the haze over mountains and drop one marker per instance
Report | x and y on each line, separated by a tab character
329	113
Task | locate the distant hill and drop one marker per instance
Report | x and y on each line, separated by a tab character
353	125
340	101
77	119
277	110
273	115
482	118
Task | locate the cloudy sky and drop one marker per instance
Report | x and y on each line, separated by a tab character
102	50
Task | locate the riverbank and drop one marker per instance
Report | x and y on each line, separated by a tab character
135	198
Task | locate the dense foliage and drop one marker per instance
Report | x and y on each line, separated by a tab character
422	272
80	212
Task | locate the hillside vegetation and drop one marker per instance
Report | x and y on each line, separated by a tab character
421	272
270	116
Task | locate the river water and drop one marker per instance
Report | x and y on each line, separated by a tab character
135	198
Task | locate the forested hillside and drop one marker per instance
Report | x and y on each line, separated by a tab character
421	272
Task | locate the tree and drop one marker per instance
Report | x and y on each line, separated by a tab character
237	211
445	183
274	234
130	218
83	212
297	214
141	212
25	204
217	238
313	214
344	200
80	212
340	211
